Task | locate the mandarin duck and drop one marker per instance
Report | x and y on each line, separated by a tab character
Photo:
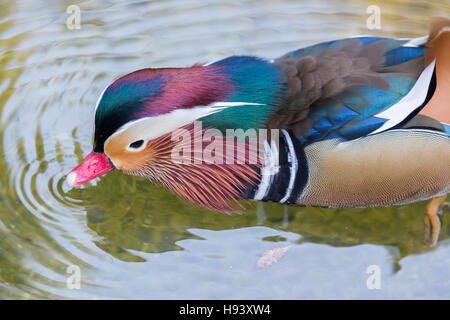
363	121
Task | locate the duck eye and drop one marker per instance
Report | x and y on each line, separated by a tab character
136	144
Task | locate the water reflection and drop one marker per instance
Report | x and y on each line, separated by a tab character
156	222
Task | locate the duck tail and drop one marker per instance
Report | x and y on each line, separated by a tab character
438	48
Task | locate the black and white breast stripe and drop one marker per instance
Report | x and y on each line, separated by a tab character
411	104
285	173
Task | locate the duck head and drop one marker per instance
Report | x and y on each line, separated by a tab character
137	115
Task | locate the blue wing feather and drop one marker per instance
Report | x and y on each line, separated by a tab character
351	114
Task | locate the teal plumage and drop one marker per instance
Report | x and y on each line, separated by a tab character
253	80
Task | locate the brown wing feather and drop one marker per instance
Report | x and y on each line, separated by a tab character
312	79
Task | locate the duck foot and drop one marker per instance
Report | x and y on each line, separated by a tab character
432	219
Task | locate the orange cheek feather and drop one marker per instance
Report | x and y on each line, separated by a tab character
127	161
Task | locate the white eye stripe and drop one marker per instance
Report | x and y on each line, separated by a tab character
150	128
225	104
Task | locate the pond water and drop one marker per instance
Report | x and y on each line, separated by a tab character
131	239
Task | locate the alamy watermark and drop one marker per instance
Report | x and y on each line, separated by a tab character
74	280
374	280
374	20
